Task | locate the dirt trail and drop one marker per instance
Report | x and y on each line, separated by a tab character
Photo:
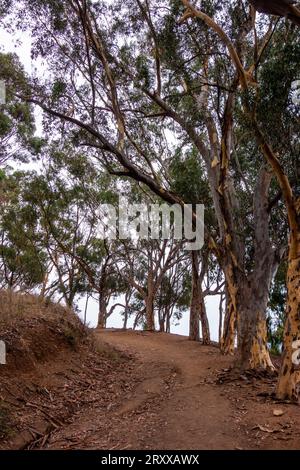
185	408
160	391
195	415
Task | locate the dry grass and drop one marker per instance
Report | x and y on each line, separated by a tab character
34	330
14	305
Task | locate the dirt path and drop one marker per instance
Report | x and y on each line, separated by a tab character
194	415
115	389
166	397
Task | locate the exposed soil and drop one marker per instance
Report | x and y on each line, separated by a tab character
134	390
193	406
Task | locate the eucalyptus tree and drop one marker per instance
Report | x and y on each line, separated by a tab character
55	213
276	310
22	258
173	298
189	181
132	79
81	191
17	125
45	199
269	105
145	264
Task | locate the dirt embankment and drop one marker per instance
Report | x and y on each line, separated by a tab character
55	372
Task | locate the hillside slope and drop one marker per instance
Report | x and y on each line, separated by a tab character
55	371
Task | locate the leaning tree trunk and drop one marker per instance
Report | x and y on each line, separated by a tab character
125	317
161	325
227	343
204	320
149	301
289	378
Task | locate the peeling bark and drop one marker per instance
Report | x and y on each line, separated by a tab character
102	316
231	314
198	309
289	378
252	340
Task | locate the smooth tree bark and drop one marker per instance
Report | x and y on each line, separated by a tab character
198	309
102	315
149	301
126	307
205	330
221	301
194	329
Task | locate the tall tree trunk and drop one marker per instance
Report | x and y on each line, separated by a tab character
289	377
125	318
203	319
194	333
168	322
245	319
149	301
102	311
248	294
161	316
227	343
161	324
220	317
85	308
253	351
